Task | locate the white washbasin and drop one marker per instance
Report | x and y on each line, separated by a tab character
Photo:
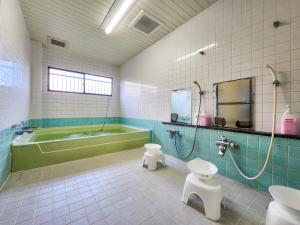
152	148
286	196
202	169
154	151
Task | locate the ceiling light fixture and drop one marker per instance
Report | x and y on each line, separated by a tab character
115	14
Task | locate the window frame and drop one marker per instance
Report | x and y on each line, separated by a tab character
82	93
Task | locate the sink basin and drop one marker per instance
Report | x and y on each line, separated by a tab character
202	169
286	196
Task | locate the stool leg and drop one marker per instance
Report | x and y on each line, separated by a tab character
163	161
223	203
212	208
186	193
268	217
143	161
152	164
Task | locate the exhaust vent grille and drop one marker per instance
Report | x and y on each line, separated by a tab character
58	42
145	23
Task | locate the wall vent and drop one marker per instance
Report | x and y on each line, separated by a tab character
145	23
57	42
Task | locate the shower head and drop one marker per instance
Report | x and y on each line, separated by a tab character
198	85
274	76
196	82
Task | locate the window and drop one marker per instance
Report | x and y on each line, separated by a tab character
76	82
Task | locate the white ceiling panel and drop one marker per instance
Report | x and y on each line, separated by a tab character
78	22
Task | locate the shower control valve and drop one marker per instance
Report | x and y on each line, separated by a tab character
223	144
173	132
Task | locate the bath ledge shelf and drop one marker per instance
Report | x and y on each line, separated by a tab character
245	131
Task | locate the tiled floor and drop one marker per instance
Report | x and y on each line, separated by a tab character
115	189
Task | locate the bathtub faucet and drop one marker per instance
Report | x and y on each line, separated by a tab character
16	125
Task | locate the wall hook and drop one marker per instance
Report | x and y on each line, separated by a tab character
202	53
276	24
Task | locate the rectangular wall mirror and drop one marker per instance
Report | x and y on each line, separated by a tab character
181	104
233	101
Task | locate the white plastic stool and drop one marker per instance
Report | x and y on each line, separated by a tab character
285	209
152	158
278	214
208	190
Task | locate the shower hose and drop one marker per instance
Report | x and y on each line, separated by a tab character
106	112
195	135
270	145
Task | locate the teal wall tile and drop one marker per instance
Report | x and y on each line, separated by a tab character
265	179
60	122
280	161
253	141
281	141
282	169
6	138
264	139
263	147
294	164
251	165
253	184
294	142
280	150
253	155
250	156
293	183
279	180
294	152
263	187
293	174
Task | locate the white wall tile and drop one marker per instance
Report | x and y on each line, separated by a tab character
14	64
246	40
61	105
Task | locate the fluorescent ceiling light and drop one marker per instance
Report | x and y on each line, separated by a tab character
115	14
195	52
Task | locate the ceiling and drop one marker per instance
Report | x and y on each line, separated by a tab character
78	21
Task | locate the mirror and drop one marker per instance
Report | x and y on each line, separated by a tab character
181	104
233	101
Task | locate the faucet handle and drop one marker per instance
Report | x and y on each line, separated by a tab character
223	138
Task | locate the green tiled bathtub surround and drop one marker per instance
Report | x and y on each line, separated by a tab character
283	168
5	141
36	152
61	122
6	136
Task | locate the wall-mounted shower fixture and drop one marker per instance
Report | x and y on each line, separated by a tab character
223	144
275	85
198	85
173	132
274	75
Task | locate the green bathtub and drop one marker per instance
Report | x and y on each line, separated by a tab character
47	146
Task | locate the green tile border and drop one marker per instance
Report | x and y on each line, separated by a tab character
282	169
